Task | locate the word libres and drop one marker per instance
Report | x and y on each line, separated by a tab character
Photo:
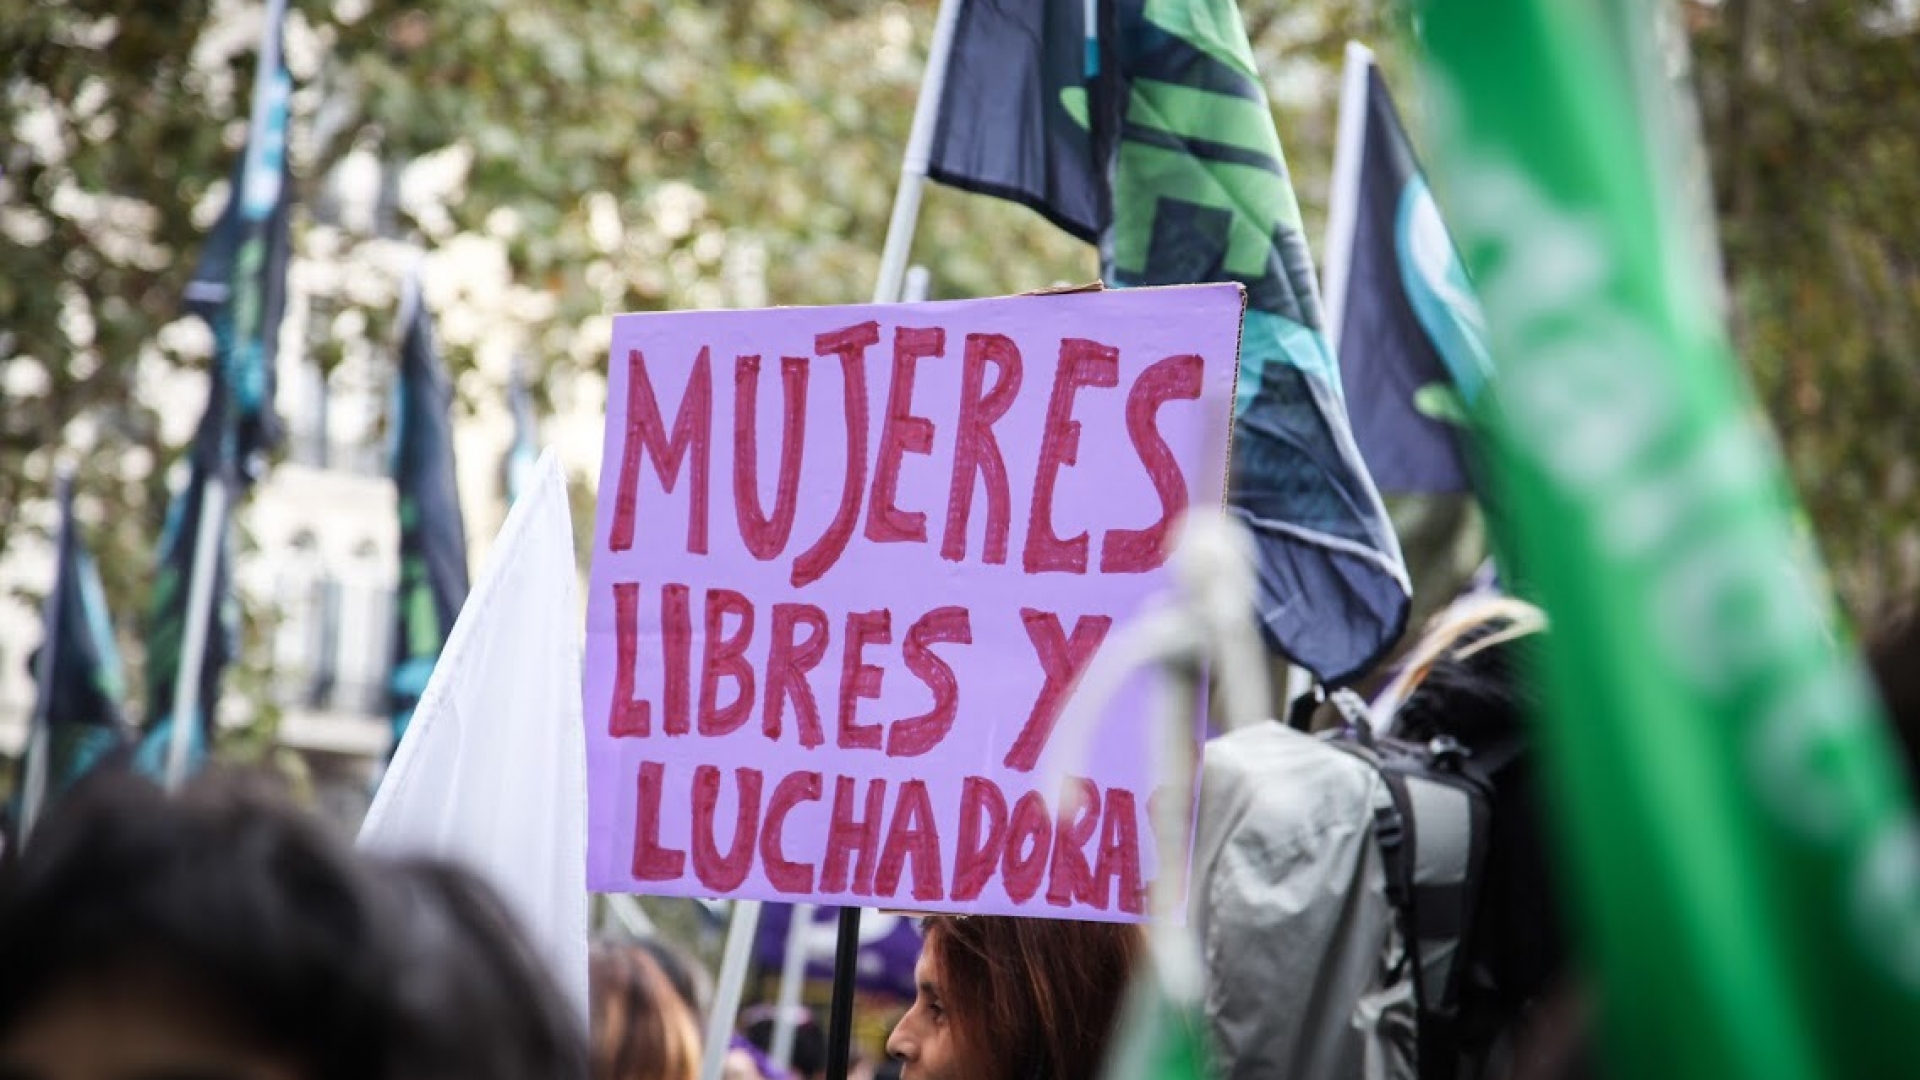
993	371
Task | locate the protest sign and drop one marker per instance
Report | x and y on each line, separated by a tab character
847	563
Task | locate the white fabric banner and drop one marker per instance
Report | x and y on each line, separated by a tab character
492	771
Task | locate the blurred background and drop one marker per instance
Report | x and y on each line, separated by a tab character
547	163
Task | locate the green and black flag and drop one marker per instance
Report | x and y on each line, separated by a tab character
1411	338
433	540
1155	131
239	287
80	697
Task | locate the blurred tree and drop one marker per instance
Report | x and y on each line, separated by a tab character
563	160
1811	112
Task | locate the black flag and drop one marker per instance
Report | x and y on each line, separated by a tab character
433	540
1014	113
81	697
1411	341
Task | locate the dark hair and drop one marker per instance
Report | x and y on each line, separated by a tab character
1894	659
642	1028
809	1044
1036	998
346	965
1485	694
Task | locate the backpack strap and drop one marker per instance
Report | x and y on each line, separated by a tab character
1436	794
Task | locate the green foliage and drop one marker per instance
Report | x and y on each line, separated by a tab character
1810	111
609	157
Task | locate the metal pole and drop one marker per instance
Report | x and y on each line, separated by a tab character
39	736
733	980
846	957
793	972
1343	197
913	170
193	645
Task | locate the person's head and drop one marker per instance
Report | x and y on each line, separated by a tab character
642	1028
1481	689
1002	998
222	935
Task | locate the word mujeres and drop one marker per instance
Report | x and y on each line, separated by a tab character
883	839
993	371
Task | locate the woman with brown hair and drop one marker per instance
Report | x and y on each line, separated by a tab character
642	1028
1001	998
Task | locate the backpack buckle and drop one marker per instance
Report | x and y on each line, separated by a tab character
1448	753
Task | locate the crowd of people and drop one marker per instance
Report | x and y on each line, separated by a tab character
225	934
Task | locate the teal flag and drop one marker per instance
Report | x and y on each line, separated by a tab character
1745	855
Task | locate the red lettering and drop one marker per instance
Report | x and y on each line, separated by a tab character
787	665
919	734
1072	876
627	716
1031	830
723	656
901	433
1119	854
692	425
653	861
676	633
1062	659
847	835
859	679
724	873
850	344
1133	551
1082	363
766	537
914	836
976	450
782	874
973	862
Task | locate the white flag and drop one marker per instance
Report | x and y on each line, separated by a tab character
492	771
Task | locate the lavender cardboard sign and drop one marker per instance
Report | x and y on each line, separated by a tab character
847	563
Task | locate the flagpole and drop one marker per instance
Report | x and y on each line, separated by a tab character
193	644
733	980
1343	200
886	289
39	735
913	169
846	957
793	971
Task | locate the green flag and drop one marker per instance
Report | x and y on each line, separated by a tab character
1745	856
